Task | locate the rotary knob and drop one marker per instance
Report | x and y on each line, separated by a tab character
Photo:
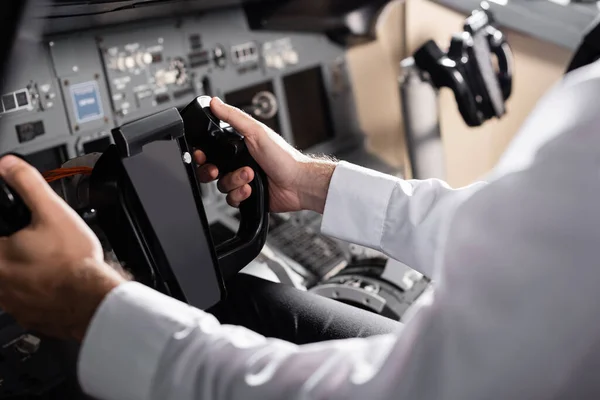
120	63
129	62
264	105
143	59
147	57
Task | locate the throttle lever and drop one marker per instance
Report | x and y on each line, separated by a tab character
446	72
467	69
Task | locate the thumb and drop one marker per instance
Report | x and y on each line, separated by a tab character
242	122
268	149
28	183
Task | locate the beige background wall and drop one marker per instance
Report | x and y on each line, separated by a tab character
374	70
470	152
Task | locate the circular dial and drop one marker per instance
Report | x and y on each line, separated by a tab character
264	105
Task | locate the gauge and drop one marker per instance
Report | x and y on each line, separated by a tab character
264	105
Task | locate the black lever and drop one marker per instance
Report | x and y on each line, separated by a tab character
446	72
225	148
467	69
486	81
501	49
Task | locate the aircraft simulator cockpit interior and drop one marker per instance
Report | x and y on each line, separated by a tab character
108	99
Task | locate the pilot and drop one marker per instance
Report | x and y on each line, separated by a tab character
513	313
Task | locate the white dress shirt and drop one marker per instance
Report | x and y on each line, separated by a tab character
513	313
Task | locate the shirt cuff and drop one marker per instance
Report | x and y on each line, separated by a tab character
356	204
125	340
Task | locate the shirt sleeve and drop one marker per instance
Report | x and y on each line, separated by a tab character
401	218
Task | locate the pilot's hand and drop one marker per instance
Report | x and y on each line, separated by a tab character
52	273
296	181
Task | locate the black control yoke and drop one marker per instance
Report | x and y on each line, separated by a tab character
148	203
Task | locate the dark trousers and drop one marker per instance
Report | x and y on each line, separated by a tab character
284	312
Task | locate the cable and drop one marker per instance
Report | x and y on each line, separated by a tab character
60	173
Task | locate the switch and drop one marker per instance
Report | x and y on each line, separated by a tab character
28	344
220	58
278	62
38	128
22	99
195	41
25	132
9	102
290	57
29	131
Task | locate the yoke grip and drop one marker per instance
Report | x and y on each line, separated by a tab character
225	148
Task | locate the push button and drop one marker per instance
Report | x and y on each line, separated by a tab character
29	131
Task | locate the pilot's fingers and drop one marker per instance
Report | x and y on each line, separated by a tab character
235	197
199	157
30	185
235	179
207	173
235	117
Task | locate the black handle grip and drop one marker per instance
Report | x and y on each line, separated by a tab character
225	148
446	72
500	47
14	214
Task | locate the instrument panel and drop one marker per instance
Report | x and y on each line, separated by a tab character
65	93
